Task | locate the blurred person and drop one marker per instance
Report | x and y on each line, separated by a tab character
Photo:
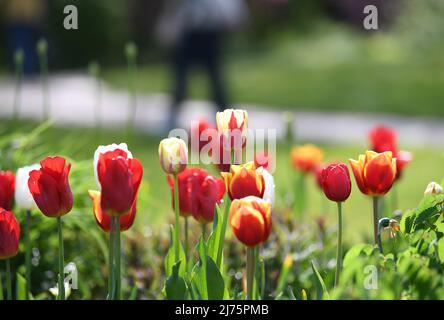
196	30
24	24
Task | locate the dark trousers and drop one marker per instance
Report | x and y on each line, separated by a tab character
204	49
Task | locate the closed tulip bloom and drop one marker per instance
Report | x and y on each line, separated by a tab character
374	172
119	176
9	234
306	158
198	193
173	154
7	186
232	124
23	197
250	218
103	219
433	188
244	180
50	187
336	182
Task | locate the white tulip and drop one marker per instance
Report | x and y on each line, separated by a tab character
269	187
23	197
104	149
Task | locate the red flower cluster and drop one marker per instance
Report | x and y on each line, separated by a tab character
198	193
384	139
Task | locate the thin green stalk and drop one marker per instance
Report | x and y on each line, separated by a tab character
61	261
8	280
28	253
376	220
186	237
111	262
339	246
250	272
223	230
45	86
177	226
118	259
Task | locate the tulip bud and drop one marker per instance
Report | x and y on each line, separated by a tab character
232	124
173	154
131	50
23	197
9	234
7	186
336	182
307	157
433	188
250	219
374	172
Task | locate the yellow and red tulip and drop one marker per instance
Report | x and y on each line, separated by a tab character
374	172
173	155
306	158
244	180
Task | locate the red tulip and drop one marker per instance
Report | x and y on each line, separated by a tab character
264	159
119	176
9	234
383	139
103	219
50	188
7	186
197	131
198	193
336	182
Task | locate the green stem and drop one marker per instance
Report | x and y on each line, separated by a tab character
61	259
28	254
8	280
186	237
376	220
250	272
111	261
176	210
339	246
45	87
300	196
204	230
118	265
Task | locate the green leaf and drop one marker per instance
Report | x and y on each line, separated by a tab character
406	222
441	249
20	287
290	293
133	294
214	238
170	257
321	289
356	251
206	276
175	286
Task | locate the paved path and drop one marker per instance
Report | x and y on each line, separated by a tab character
73	96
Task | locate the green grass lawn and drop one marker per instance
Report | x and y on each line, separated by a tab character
154	198
332	68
